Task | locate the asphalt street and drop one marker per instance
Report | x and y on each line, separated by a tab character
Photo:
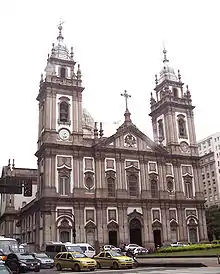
142	270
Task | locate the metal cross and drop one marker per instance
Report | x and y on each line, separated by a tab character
126	95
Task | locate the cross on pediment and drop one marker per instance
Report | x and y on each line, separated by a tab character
126	96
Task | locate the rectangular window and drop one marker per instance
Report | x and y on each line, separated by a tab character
213	173
208	175
156	214
203	176
169	169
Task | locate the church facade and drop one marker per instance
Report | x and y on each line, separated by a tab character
123	188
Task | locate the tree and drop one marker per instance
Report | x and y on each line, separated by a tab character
213	222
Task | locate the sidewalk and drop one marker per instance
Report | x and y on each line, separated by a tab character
179	262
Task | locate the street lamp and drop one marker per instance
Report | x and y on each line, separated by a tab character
74	222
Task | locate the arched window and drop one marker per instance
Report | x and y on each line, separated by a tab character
182	128
154	189
62	72
160	130
133	185
64	112
111	187
64	185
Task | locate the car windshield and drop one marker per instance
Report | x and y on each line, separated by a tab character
41	255
115	254
74	248
25	256
78	255
8	246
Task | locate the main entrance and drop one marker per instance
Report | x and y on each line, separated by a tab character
135	232
112	237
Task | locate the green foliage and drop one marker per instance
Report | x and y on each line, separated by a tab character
188	248
216	242
213	222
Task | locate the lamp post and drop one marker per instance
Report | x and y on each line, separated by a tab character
74	223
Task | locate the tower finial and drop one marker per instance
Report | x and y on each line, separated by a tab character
179	75
165	60
60	36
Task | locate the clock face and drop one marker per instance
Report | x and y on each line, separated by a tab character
184	147
64	134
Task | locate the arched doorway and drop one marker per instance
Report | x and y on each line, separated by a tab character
113	237
135	232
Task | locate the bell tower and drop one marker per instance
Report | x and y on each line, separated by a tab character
172	112
60	96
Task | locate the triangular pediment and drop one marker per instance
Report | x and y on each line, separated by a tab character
131	138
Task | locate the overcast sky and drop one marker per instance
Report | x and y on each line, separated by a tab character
119	45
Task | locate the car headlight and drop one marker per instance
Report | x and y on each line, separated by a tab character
38	263
84	263
23	264
121	260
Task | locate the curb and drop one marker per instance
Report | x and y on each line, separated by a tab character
171	265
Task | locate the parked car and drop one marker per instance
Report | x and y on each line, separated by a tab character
45	261
131	247
176	244
53	248
75	261
18	262
113	259
111	247
87	249
140	251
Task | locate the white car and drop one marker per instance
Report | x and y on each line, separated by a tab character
111	247
176	244
131	247
140	250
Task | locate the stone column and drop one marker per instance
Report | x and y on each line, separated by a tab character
99	224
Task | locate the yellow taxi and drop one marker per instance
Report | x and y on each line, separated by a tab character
74	260
113	259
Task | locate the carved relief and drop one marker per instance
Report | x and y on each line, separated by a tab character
172	213
112	215
89	180
155	215
90	215
191	212
170	184
61	161
130	141
152	167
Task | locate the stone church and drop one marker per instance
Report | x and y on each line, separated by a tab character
123	188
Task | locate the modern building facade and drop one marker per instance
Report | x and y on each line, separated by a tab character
209	151
122	188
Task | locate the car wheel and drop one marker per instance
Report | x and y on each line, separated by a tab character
98	265
59	268
76	268
37	269
115	265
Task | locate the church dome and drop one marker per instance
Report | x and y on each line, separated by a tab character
87	123
167	72
60	50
